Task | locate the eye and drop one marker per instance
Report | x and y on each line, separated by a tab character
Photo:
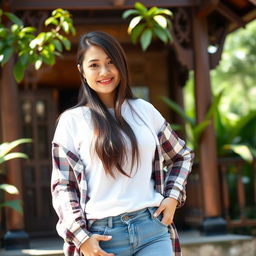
93	65
110	62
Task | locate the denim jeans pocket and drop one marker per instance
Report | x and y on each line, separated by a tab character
158	220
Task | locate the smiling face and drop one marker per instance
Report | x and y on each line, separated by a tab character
100	74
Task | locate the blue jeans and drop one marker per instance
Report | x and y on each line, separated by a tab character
134	234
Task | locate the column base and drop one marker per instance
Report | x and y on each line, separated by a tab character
214	226
16	239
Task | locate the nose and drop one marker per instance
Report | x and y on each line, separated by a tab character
104	70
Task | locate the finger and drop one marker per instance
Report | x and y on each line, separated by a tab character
103	238
158	211
167	219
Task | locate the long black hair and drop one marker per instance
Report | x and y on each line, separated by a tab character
109	142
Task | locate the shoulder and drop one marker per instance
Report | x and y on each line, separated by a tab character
70	123
74	114
149	112
140	103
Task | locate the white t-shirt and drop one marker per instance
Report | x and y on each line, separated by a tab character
108	196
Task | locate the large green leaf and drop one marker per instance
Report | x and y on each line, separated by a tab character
152	11
65	26
6	54
214	105
12	156
14	18
38	63
199	129
161	21
140	7
14	204
6	147
47	56
18	71
161	34
175	107
28	30
24	59
130	12
145	39
133	23
136	32
58	45
66	43
51	20
242	150
9	189
242	122
165	12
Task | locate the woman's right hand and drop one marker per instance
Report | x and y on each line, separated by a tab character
91	246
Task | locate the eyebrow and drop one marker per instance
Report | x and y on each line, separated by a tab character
92	60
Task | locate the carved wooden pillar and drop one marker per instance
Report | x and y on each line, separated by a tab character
15	237
213	222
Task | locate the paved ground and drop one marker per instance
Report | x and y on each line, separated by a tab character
189	241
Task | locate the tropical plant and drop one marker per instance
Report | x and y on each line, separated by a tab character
148	24
33	49
194	130
234	134
6	155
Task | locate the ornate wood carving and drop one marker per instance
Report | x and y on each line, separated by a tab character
182	35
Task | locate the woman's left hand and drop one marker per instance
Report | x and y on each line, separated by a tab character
167	207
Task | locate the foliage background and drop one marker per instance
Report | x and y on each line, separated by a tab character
236	73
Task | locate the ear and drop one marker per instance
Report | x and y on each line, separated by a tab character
79	68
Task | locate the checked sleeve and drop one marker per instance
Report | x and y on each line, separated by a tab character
178	161
68	187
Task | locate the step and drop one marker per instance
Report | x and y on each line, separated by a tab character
193	244
39	247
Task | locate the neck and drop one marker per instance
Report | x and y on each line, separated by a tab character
108	100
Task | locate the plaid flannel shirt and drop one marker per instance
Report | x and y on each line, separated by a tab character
171	166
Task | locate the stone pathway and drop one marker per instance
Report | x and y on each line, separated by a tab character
193	244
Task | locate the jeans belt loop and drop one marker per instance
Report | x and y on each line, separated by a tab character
110	222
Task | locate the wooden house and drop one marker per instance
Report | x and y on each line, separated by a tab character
30	109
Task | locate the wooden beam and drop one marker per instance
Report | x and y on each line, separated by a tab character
203	98
207	7
228	13
97	4
15	238
11	131
246	18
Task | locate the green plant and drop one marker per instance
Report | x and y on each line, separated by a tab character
235	135
194	130
148	24
30	48
6	155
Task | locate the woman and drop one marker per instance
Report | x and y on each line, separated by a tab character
119	171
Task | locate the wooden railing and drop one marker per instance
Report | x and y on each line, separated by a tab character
238	194
238	182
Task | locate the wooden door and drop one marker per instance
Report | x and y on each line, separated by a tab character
38	113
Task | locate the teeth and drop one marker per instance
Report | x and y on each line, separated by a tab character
106	80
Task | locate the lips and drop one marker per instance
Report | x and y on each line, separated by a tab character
106	81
